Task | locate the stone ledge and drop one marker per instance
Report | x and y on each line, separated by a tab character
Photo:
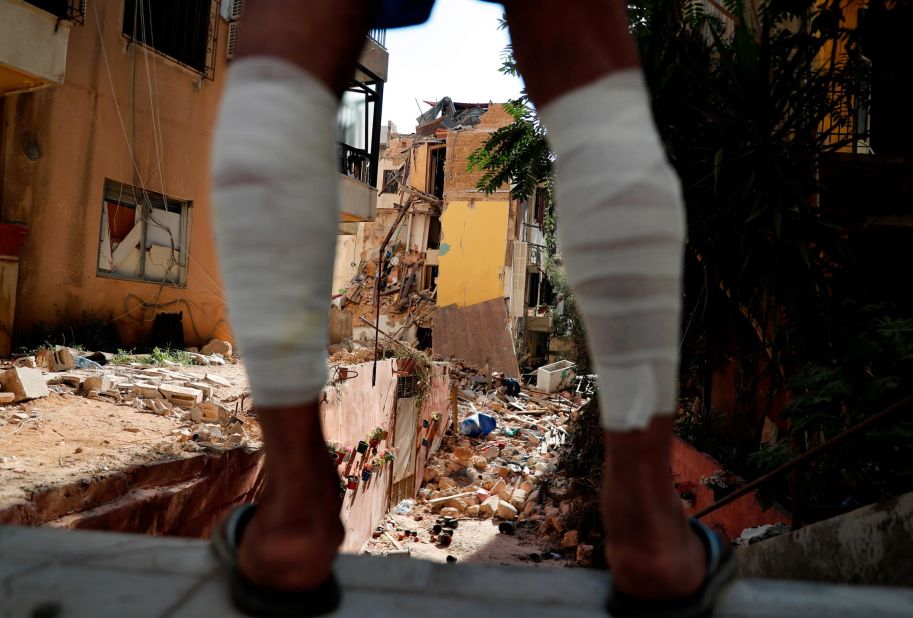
101	574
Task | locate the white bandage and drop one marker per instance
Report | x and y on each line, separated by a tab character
622	229
275	203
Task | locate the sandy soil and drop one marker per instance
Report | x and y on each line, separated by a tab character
67	437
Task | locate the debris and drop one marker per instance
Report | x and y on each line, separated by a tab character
570	540
25	361
97	383
489	507
449	511
181	395
217	380
217	346
83	362
506	510
478	425
585	555
24	383
404	507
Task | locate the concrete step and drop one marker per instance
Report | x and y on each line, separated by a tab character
76	573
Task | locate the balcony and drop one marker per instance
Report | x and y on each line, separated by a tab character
34	49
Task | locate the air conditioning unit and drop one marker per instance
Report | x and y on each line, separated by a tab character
232	9
232	40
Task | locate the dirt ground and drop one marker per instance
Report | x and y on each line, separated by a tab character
67	437
474	541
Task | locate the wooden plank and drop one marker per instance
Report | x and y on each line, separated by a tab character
478	334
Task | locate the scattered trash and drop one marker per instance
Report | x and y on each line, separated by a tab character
404	507
478	425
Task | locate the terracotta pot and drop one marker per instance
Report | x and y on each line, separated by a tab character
340	457
353	483
374	442
405	366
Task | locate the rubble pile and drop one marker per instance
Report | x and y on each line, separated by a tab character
507	475
206	418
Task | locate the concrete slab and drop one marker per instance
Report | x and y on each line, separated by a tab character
99	574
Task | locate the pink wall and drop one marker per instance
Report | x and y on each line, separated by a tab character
689	464
438	402
351	410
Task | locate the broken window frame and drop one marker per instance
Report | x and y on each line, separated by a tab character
208	37
145	205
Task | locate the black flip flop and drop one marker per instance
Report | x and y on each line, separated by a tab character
720	570
256	600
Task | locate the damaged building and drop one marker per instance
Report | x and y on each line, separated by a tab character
456	271
106	119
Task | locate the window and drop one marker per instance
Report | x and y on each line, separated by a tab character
132	218
389	185
183	30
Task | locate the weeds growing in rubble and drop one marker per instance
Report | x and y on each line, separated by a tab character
158	356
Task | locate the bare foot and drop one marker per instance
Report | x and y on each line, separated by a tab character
651	548
293	538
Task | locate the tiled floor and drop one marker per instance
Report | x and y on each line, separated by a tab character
46	572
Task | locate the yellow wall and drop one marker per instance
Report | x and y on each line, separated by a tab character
472	252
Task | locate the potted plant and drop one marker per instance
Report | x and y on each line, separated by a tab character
436	417
425	442
362	447
426	423
352	482
375	437
722	483
366	473
332	449
341	454
389	456
685	491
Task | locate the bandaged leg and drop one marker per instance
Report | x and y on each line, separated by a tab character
276	212
621	232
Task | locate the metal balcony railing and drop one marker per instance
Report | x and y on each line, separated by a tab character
355	163
379	36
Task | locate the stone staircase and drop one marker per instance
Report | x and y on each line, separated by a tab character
51	572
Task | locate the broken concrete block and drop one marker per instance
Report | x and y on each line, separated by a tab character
446	483
527	486
217	380
64	360
491	452
7	397
26	361
585	555
217	346
145	390
489	507
431	473
24	383
479	462
518	499
506	510
500	490
45	358
97	383
457	503
449	511
463	455
570	540
202	386
502	471
212	413
181	394
472	511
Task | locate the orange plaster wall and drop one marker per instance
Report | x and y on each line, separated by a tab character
689	464
83	142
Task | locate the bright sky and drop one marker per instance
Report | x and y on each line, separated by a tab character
457	54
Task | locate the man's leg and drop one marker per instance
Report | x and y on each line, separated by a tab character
622	229
276	215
